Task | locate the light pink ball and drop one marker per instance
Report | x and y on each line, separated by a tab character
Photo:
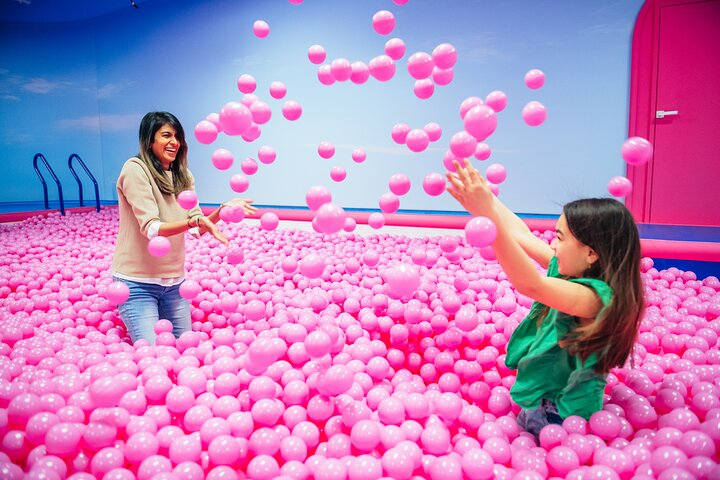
246	83
636	151
462	144
496	173
424	88
619	186
189	289
159	246
376	220
359	155
480	122
266	154
468	104
534	113
360	72
480	232
420	65
383	22
482	151
312	265
399	184
417	140
117	293
239	183
326	149
444	55
382	68
269	221
433	130
400	132
395	48
277	90
205	132
316	54
341	69
261	29
187	199
235	118
496	100
291	110
389	203
443	77
317	196
434	184
338	173
534	79
261	112
330	218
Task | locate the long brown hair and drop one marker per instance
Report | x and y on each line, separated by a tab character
606	226
150	124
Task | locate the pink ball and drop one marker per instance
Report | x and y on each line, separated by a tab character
291	110
317	343
252	133
417	140
317	196
189	289
277	90
477	464
266	154
442	77
187	199
338	173
444	56
480	122
316	54
389	203
383	22
341	69
312	265
434	184
534	79
496	173
482	151
399	184
359	155
263	467
402	280
261	29
376	220
360	72
232	214
222	159
462	144
424	88
534	113
117	293
433	130
468	104
214	118
382	68
604	424
325	75
636	151
400	132
395	48
246	83
330	218
326	149
480	232
261	112
269	221
249	166
159	246
235	256
239	183
496	100
235	118
350	224
420	65
206	132
619	186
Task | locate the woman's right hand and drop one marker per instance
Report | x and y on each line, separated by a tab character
470	189
206	225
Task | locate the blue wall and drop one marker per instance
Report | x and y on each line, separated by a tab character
82	87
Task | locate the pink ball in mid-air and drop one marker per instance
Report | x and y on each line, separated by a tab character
316	54
312	265
434	184
316	196
214	118
232	214
389	202
159	246
326	149
206	132
496	100
189	289
117	293
382	68
246	83
424	88
399	184
266	154
325	75
417	140
636	151
462	144
482	151
383	22
434	131
442	76
395	48
496	173
222	159
376	220
468	104
261	29
444	55
420	65
252	132
269	221
619	186
534	79
400	132
249	166
402	280
330	218
338	173
187	199
534	113
360	72
235	118
359	155
291	110
341	69
261	112
239	183
277	90
480	232
480	122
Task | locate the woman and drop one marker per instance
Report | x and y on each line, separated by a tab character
147	200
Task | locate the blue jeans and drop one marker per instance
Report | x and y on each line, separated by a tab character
149	303
534	420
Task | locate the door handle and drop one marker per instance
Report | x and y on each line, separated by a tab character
663	113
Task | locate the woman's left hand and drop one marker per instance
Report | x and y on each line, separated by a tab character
245	203
470	189
206	225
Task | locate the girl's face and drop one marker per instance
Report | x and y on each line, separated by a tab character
573	256
165	145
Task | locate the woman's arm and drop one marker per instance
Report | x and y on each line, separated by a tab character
168	229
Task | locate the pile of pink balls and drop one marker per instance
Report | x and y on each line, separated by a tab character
382	359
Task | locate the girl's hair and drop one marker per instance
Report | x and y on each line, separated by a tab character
606	226
150	124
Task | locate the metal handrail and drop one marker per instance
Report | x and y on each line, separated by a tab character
82	164
57	182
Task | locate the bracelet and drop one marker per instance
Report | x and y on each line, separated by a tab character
197	221
188	223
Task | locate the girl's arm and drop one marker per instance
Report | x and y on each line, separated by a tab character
168	229
470	189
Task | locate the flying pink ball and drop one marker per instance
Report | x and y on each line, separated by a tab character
338	173
330	218
261	29
277	90
417	140
316	54
222	159
482	151
341	69
399	184
444	56
159	246
434	184
400	132
316	196
206	132
376	220
261	112
239	183
382	68
480	232
383	22
534	113
619	186
269	221
395	48
246	83
187	199
252	133
235	118
266	154
636	151
420	65
462	144
480	122
424	88
360	72
232	214
443	77
389	202
117	293
249	166
214	118
325	75
534	79
189	289
496	173
312	265
350	224
326	149
291	110
496	100
359	155
402	280
468	104
433	130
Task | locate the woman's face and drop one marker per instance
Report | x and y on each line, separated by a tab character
165	145
573	256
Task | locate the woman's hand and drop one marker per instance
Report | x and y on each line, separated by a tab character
470	189
206	225
245	203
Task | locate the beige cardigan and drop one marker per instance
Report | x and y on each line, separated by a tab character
141	202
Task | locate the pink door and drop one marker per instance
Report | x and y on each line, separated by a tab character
682	182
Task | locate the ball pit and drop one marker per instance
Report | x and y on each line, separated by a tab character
309	357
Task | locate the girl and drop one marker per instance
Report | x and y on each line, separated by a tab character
587	309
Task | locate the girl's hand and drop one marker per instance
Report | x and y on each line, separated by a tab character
206	225
470	189
245	203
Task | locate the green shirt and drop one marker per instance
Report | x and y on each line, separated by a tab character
544	370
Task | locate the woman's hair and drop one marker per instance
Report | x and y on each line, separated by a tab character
150	124
606	226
